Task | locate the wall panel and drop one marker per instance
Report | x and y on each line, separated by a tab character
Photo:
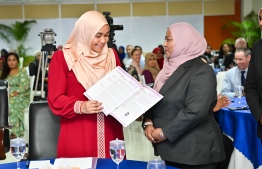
11	12
116	9
75	10
149	9
41	11
185	8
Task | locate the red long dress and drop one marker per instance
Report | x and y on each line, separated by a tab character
81	135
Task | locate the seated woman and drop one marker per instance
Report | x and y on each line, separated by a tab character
19	92
151	68
135	69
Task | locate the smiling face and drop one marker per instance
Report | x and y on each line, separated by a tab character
100	40
169	44
241	60
12	62
152	61
136	56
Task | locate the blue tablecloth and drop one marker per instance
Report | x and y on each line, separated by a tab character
216	70
101	164
241	126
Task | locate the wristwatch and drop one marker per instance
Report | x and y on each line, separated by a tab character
147	123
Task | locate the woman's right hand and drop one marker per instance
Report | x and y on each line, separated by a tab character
91	107
148	133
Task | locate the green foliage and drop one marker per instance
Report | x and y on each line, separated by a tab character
248	29
16	34
28	60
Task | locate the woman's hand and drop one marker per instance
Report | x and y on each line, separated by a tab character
148	133
91	107
158	135
222	101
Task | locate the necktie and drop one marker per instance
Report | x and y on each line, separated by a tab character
243	78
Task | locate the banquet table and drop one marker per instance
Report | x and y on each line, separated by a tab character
241	127
102	163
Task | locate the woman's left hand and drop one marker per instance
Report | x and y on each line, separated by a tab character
158	135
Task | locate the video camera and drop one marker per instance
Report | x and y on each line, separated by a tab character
113	28
47	40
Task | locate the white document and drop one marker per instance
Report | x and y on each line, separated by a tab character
81	163
38	164
122	96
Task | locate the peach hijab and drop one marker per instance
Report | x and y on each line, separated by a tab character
87	65
189	44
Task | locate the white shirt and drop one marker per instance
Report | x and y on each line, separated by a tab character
232	79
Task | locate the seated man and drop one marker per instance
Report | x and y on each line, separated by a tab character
33	69
236	76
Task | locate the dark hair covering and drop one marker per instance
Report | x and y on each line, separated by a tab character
6	69
162	49
229	60
5	53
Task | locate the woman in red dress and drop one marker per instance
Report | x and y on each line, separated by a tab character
84	130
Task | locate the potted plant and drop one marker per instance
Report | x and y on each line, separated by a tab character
248	29
16	34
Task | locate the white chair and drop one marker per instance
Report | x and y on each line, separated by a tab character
21	60
220	79
32	80
27	70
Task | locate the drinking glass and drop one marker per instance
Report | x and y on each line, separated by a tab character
17	147
117	151
239	92
156	164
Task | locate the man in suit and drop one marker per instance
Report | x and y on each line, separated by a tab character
236	76
253	87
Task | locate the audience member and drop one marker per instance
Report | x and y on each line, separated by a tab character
159	56
4	53
236	76
162	49
1	64
121	52
142	58
208	54
59	47
128	59
223	51
33	70
19	93
85	131
151	69
229	59
182	125
254	81
135	69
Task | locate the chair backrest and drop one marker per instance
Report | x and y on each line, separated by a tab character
220	79
21	60
27	70
3	107
4	133
4	83
44	128
32	92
